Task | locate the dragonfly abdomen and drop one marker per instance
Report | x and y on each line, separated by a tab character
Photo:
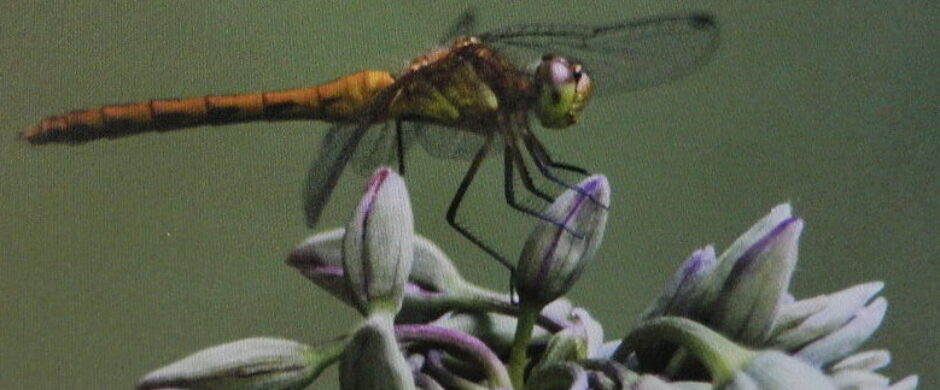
337	100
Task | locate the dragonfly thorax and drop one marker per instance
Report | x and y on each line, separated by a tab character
467	85
563	90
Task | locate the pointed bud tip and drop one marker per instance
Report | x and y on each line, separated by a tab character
787	232
378	247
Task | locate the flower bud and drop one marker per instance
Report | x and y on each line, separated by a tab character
433	276
774	370
372	359
750	297
378	246
554	257
255	363
842	342
684	292
730	366
809	320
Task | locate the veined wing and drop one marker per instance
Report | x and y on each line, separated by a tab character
465	24
379	146
447	143
336	149
623	56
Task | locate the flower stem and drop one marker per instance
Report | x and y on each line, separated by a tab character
449	339
721	356
528	314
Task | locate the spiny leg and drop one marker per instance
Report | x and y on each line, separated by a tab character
511	159
458	198
544	162
535	147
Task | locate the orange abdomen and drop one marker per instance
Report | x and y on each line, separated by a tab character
335	101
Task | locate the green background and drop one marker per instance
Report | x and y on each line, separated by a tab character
117	257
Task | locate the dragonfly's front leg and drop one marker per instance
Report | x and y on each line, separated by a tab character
512	158
542	158
544	162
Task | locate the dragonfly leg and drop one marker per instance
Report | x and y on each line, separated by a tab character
399	141
544	162
458	199
510	159
535	147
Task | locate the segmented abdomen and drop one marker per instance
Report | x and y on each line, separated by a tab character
337	100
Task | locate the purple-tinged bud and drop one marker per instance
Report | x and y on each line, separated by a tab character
554	257
378	247
751	296
684	292
320	259
433	283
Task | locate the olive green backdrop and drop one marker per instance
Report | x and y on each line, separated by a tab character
119	256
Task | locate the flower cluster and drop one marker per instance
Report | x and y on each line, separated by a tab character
723	322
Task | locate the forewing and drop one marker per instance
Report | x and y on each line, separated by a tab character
337	147
619	57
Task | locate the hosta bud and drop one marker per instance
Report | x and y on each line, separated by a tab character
372	359
255	363
554	256
378	247
803	321
774	370
730	366
684	291
433	283
751	295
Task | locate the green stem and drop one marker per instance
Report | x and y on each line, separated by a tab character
722	356
528	314
325	354
481	300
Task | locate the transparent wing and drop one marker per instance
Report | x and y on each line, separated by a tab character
379	146
622	56
376	148
336	150
448	143
465	24
453	144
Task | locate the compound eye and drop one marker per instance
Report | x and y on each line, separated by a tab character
554	71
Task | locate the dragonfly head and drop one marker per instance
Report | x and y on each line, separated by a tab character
563	89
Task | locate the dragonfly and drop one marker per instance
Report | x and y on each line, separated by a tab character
468	99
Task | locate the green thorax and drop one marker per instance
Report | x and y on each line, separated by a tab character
467	85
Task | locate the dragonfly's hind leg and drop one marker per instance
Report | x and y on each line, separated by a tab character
458	199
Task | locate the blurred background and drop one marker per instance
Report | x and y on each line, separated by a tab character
117	257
